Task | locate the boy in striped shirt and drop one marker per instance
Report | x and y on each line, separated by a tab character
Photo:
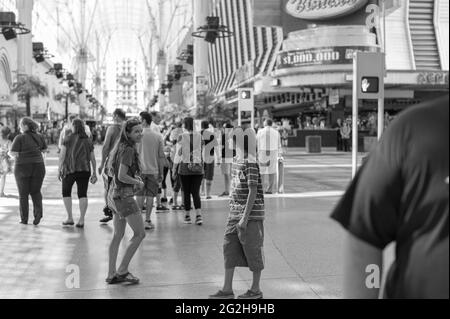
244	235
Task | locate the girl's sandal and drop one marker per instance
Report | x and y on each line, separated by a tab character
128	278
113	280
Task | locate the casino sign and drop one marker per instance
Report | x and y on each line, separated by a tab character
323	9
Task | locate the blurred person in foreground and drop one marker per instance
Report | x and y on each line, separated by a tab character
407	204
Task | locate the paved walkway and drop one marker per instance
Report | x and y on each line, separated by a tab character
303	247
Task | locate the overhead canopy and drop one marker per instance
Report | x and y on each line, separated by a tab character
125	21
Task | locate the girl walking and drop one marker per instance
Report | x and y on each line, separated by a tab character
191	170
76	157
28	149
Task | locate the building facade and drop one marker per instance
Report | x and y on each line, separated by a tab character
249	54
298	55
128	95
318	56
44	24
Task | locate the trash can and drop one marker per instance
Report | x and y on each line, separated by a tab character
314	144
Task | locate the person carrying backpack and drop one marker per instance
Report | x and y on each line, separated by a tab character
191	169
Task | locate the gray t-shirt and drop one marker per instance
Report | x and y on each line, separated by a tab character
29	146
151	152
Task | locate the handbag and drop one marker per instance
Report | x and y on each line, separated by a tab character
194	167
190	168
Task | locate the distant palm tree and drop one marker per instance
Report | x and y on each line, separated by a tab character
28	87
62	96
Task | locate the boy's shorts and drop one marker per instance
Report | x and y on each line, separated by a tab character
244	248
150	188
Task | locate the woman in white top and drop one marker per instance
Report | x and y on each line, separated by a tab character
5	160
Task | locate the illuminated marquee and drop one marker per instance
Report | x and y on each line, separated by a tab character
319	56
322	9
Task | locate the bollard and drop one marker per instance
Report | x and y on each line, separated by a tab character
314	144
281	175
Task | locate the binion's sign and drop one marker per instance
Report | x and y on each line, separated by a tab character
323	9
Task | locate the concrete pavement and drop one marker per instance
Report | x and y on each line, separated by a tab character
303	247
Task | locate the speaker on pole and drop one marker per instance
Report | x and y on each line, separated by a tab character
9	33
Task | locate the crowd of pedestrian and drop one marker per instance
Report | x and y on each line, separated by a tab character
141	155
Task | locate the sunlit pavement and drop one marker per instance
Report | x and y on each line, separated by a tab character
303	247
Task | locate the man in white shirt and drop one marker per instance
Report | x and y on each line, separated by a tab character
156	119
269	151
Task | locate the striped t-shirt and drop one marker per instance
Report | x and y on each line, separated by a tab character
246	174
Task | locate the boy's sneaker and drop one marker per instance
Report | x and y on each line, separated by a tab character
187	220
251	295
222	295
149	225
106	220
199	220
171	202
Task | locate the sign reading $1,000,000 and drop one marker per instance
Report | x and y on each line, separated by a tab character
322	9
319	56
